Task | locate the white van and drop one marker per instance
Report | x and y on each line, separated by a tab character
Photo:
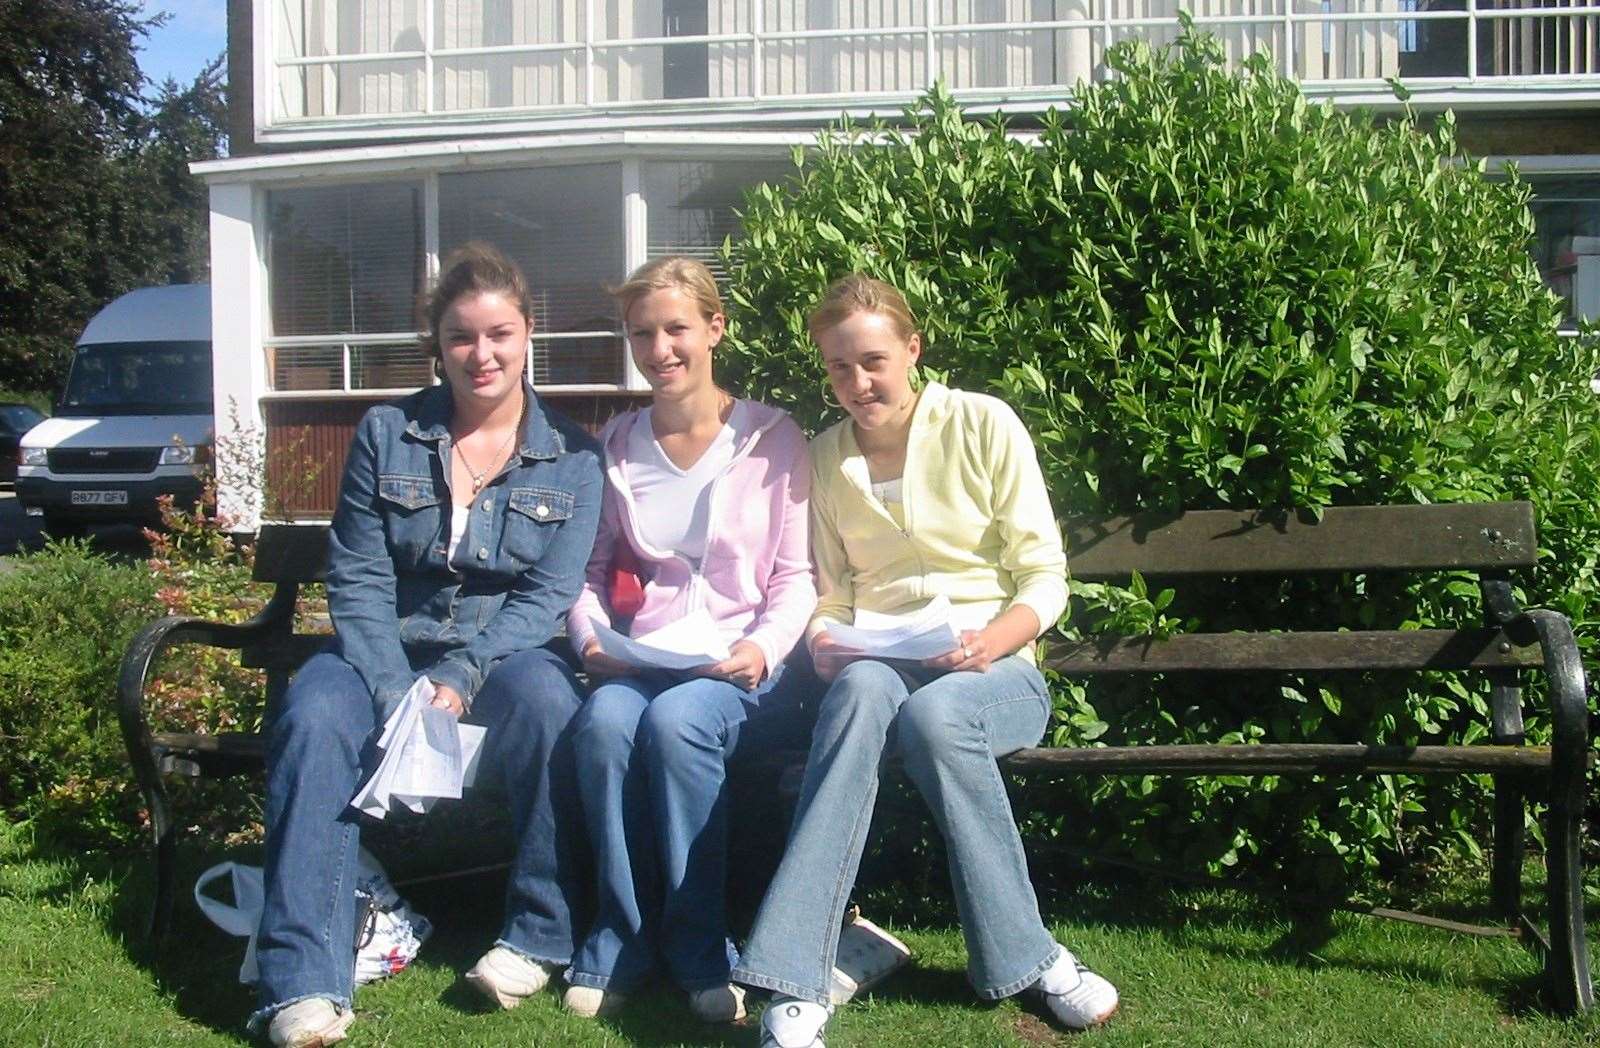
135	421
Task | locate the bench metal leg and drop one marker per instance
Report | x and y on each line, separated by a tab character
1567	964
166	862
142	757
1505	880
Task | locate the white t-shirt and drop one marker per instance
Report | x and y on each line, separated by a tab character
674	505
891	494
458	528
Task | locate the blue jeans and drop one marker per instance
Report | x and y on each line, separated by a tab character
652	754
318	745
948	730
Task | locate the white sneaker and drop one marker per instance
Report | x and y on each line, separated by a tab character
718	1004
311	1023
591	1002
1077	998
792	1023
507	978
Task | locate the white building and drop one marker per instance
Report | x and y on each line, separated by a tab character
584	137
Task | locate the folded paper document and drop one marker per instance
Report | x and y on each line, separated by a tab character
923	634
427	754
689	642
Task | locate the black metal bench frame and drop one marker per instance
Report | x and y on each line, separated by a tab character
1491	539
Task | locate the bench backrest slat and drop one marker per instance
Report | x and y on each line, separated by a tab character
1479	649
1492	535
291	553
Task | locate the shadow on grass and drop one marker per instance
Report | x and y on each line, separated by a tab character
1261	925
1293	931
659	1017
195	965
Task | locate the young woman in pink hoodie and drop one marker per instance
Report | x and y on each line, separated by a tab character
707	495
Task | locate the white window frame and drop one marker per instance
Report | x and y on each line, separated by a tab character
1304	24
426	163
1535	167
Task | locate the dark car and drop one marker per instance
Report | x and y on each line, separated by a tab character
15	420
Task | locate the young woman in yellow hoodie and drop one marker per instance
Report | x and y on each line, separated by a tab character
919	493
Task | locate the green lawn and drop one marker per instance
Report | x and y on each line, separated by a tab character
1196	967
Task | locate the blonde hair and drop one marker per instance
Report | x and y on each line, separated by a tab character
859	293
674	273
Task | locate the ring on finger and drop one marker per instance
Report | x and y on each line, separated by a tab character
966	652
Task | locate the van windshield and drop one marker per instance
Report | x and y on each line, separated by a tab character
139	378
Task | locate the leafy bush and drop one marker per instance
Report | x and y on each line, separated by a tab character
67	614
1201	291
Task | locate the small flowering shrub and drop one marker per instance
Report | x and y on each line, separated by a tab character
202	571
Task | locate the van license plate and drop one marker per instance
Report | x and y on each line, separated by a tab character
99	498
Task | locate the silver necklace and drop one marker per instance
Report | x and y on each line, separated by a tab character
478	478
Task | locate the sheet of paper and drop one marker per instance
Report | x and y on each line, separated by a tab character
921	635
689	642
472	736
427	754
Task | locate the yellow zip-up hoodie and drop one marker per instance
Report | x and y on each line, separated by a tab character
978	526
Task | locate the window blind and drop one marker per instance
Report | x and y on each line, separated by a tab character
344	259
563	226
693	206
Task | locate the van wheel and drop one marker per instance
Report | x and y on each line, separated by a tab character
61	527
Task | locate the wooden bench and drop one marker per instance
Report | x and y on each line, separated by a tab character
1490	539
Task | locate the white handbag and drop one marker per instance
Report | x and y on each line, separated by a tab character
388	932
867	956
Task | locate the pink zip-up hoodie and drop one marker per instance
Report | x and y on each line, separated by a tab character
755	579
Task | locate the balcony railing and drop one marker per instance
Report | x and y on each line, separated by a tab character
397	60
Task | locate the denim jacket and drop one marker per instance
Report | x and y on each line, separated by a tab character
398	608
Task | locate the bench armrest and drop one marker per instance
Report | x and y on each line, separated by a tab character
1569	712
1563	664
1567	954
275	619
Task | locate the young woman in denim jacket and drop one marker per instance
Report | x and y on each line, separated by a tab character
707	494
465	517
919	494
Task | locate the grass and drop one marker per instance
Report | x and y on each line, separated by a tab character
1196	967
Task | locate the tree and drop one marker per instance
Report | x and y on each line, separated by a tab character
93	179
187	124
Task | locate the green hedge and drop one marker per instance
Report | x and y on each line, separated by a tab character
66	615
1200	290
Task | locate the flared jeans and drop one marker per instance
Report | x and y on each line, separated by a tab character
948	730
